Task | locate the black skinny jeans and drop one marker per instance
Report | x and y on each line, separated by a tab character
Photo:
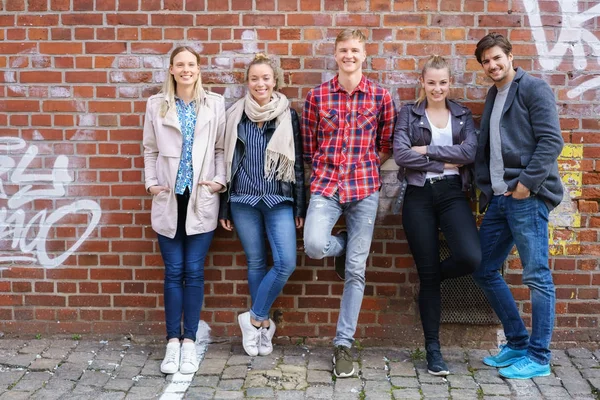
442	205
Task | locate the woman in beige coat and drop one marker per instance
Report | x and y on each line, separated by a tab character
184	172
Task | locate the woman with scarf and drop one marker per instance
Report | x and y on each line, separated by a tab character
265	194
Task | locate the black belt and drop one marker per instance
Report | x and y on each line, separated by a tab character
435	179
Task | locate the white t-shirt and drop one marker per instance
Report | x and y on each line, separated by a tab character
441	137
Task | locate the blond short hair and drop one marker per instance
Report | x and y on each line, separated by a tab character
347	34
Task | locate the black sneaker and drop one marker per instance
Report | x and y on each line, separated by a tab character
340	261
435	363
343	365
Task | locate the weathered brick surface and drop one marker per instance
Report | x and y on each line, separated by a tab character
74	77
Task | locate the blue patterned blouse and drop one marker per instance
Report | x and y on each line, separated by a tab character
186	114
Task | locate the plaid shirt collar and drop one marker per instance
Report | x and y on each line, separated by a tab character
361	87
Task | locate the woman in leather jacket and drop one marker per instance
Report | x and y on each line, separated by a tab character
265	194
434	145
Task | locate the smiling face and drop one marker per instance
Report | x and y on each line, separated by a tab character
261	82
497	65
436	83
349	56
185	69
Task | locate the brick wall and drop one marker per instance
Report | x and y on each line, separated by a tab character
76	248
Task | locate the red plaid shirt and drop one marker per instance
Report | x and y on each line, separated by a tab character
343	132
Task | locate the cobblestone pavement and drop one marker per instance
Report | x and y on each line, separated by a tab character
64	369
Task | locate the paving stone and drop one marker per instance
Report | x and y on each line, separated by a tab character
226	395
261	393
454	354
375	360
290	395
231	384
378	396
10	377
211	367
432	391
127	372
402	369
495	389
404	382
580	352
19	360
590	373
374	374
205	380
32	381
152	368
319	377
237	372
347	387
560	358
264	363
554	391
296	350
142	393
464	394
94	378
320	362
294	360
81	358
488	376
406	394
59	385
47	394
457	368
377	387
462	382
16	395
585	363
44	364
199	393
153	382
319	392
69	371
239	360
12	344
35	347
551	380
121	384
134	360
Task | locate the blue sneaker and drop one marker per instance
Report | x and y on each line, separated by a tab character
525	368
506	357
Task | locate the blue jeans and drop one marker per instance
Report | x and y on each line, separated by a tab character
184	276
323	213
251	225
508	221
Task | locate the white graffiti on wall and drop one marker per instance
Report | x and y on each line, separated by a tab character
571	37
31	236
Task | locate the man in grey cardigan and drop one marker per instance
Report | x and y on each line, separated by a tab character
517	173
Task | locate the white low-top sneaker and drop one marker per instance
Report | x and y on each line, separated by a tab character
170	363
266	339
189	359
250	334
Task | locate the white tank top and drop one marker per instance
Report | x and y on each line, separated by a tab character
441	137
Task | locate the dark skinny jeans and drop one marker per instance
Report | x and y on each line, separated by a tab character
439	206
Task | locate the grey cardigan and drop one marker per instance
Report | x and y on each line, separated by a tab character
531	141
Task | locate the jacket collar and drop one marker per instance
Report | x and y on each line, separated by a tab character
455	109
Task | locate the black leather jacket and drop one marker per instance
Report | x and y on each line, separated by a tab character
295	190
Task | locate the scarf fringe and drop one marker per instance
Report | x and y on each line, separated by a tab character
285	171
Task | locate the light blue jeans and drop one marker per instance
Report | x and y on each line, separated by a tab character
251	225
508	221
323	213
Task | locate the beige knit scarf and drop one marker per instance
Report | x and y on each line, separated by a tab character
280	149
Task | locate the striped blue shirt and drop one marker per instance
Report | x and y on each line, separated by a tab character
186	114
250	185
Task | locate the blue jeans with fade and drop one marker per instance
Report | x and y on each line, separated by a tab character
509	221
184	275
323	213
252	222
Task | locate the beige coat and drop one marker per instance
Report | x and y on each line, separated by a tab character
163	141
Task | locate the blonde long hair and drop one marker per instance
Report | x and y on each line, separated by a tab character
170	86
435	62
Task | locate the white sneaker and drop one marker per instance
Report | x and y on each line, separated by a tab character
189	359
170	363
250	335
265	346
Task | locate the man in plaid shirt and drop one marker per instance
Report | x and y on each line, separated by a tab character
347	127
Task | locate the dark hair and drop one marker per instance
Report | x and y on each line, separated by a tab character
490	40
261	58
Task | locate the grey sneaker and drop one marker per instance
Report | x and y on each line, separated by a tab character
343	365
340	261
